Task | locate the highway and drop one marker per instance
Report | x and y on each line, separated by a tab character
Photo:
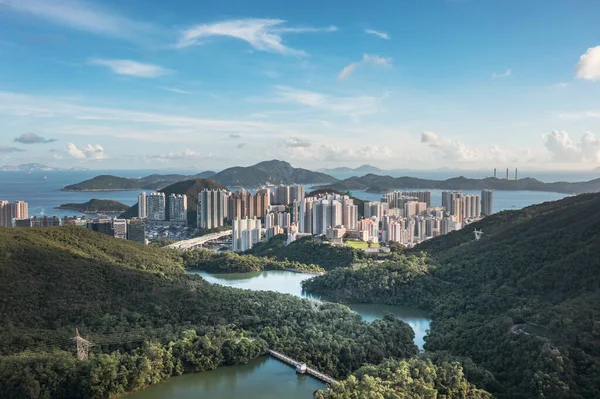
184	245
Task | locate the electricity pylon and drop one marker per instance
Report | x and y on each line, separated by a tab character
83	346
478	234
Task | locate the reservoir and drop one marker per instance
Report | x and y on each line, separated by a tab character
265	377
261	378
289	283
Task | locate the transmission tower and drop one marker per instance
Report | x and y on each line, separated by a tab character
478	234
83	346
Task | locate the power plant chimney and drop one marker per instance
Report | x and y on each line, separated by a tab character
506	173
516	170
494	173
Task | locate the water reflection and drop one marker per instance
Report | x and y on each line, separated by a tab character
290	283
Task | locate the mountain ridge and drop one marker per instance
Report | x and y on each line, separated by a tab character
380	184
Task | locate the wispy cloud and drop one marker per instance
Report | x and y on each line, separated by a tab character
588	67
31	107
81	15
7	149
504	74
262	34
32	138
350	106
367	59
178	91
382	35
175	155
131	68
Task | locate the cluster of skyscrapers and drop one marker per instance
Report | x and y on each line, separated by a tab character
157	207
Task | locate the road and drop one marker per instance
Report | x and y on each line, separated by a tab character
198	241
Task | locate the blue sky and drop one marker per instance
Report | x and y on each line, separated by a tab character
419	84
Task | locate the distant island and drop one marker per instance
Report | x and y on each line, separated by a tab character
268	172
36	167
96	206
381	184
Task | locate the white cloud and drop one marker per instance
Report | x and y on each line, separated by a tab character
262	34
588	67
350	106
451	150
175	155
367	59
131	68
296	142
178	91
81	15
563	149
504	74
89	152
382	35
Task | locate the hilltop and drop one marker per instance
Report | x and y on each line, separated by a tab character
150	320
380	184
523	302
96	206
273	172
116	183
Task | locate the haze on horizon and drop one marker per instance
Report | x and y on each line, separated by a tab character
422	85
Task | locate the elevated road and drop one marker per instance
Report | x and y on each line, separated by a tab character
199	241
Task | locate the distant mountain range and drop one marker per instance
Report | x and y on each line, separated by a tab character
380	184
268	172
361	170
35	167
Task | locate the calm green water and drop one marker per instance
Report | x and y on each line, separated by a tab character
267	378
289	283
261	378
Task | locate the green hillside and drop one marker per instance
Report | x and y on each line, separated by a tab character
149	320
96	206
105	183
523	302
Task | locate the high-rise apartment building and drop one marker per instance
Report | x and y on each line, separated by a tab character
142	207
20	210
178	208
245	233
296	193
487	202
211	208
155	205
377	209
119	227
397	199
5	214
102	225
136	230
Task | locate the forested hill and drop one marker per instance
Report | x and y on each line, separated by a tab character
274	172
524	301
150	320
378	184
96	206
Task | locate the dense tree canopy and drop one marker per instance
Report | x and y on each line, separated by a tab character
523	302
149	319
